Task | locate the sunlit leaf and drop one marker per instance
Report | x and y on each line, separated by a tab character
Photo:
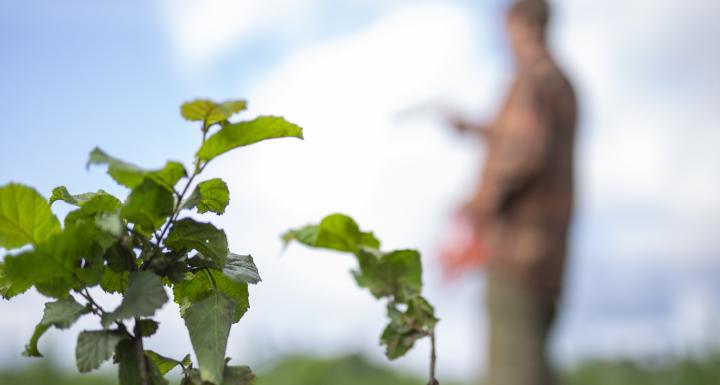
25	217
209	112
130	175
91	209
336	232
8	289
234	135
61	193
114	282
55	263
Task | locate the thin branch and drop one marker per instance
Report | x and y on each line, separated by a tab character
433	360
176	212
94	307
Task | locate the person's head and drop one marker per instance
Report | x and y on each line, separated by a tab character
527	21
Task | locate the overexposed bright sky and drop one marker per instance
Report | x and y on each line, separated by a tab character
362	78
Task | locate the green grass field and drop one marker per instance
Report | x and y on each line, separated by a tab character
355	370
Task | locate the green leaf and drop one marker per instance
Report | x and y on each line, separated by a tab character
54	265
91	270
401	269
111	223
209	112
186	361
241	268
131	176
208	323
237	375
61	193
166	364
114	282
397	273
90	209
398	340
405	328
368	239
368	260
62	314
233	135
120	257
210	195
9	289
126	355
148	327
148	206
25	217
199	286
188	234
336	232
145	294
307	235
95	347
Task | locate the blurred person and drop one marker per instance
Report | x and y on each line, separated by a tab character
516	223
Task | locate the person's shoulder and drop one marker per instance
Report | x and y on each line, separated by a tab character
547	76
545	72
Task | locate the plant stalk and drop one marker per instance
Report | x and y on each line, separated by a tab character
140	351
433	360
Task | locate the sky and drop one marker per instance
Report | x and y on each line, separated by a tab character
365	80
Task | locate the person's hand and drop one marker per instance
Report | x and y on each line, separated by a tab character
465	126
456	121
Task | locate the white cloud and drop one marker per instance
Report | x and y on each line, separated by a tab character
201	29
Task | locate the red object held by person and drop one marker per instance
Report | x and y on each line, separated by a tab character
465	250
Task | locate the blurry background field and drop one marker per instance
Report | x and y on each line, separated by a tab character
363	77
356	370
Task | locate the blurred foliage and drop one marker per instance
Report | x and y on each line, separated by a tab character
43	372
349	370
695	371
356	370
